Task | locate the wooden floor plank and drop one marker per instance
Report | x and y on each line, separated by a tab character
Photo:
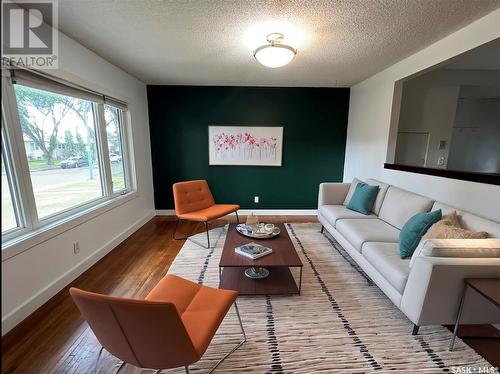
55	339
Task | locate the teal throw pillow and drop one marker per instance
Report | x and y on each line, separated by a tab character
414	229
363	198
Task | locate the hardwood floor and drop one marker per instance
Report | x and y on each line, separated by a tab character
55	339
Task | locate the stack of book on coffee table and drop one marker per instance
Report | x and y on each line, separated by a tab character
253	250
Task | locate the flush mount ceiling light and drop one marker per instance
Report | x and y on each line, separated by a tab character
275	54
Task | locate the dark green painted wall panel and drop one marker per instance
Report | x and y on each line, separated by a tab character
315	125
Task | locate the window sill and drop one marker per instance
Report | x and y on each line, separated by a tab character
15	246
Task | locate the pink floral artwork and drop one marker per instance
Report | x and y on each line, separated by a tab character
243	145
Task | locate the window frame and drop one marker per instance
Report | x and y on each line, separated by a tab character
30	226
12	186
122	128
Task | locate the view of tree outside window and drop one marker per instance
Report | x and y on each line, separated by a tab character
60	140
113	131
64	153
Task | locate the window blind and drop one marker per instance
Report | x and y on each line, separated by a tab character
41	81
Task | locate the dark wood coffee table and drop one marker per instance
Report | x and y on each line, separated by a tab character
280	280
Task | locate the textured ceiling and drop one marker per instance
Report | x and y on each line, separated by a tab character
210	42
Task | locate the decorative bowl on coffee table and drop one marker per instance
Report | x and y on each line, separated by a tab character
252	233
256	273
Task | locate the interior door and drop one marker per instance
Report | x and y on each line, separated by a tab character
411	148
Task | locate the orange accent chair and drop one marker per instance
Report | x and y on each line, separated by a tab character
194	202
172	327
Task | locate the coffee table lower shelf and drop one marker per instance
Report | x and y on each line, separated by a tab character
279	282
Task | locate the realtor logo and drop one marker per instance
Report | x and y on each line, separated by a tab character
29	36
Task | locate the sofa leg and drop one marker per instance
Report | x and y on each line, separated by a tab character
415	329
322	229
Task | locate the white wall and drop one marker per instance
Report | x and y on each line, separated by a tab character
432	112
369	125
30	278
475	142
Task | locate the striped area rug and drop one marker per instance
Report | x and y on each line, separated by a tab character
341	323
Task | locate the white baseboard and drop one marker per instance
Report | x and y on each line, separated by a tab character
165	212
259	212
29	306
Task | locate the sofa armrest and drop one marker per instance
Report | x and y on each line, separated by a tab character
332	193
459	248
434	288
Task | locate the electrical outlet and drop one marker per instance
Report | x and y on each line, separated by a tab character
76	248
441	161
256	199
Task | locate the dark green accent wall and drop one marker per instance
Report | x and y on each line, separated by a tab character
315	125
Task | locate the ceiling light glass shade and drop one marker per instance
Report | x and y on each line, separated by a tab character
275	55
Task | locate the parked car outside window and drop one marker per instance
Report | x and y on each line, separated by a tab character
113	157
74	162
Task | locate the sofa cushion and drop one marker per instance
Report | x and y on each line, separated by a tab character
385	258
381	194
363	198
400	205
414	229
442	230
450	219
445	209
359	231
332	213
354	183
470	221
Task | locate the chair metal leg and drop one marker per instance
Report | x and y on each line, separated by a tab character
175	231
457	321
121	367
300	281
237	217
187	369
239	320
191	239
322	229
208	235
97	360
237	346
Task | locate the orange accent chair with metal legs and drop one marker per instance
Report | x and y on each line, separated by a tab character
194	202
172	327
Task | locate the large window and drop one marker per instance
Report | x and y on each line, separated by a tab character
72	152
59	135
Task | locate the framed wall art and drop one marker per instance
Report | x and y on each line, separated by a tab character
245	145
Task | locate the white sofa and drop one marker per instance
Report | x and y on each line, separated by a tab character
428	287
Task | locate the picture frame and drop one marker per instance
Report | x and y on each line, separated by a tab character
245	145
